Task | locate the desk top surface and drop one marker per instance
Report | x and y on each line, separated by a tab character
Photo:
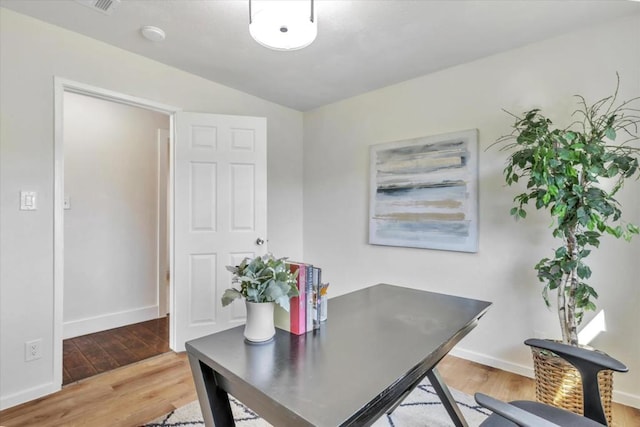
373	338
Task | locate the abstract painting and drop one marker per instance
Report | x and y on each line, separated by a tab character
424	192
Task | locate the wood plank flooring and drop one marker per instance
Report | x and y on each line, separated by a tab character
127	396
92	354
138	393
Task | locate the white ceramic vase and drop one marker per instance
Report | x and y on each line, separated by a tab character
259	326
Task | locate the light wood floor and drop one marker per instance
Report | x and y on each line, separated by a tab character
139	393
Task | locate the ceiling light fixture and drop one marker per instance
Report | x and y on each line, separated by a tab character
152	33
283	24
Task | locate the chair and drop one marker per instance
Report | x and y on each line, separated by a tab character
535	414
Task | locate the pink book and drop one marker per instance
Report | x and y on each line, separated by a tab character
298	304
295	321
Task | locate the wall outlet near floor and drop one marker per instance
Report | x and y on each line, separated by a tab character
32	350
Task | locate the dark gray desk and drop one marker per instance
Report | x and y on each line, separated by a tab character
376	346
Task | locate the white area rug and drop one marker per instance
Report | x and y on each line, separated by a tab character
421	408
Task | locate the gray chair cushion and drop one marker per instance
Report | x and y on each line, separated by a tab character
555	415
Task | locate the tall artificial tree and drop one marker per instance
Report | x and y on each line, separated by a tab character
575	173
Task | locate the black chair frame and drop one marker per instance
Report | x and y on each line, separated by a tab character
587	362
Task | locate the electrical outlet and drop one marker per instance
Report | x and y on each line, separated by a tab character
32	350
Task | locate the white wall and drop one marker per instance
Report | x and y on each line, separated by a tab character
335	182
31	54
111	229
546	74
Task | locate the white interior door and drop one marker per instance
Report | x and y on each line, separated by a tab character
219	215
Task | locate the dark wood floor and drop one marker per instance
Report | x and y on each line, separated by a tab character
92	354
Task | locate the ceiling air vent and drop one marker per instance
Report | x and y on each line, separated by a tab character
102	6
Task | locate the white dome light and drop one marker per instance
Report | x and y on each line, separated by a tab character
283	24
154	34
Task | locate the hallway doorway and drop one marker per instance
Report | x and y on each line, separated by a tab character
116	251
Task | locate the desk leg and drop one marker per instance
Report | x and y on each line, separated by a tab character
447	400
214	401
404	396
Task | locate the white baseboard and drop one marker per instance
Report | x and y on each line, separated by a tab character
626	399
27	395
103	322
483	359
527	371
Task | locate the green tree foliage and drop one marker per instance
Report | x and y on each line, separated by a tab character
574	174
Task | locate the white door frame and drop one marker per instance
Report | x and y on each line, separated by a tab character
163	135
62	85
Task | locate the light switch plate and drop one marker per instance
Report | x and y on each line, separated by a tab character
28	201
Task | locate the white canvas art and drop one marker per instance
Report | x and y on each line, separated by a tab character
424	192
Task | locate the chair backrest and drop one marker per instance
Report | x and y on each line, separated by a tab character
588	363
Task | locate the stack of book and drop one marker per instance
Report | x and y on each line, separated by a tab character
307	310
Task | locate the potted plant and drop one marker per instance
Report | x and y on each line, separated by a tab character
264	281
574	174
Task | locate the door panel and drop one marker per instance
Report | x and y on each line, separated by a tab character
219	212
203	187
242	202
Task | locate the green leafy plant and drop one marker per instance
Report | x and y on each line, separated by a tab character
574	173
262	279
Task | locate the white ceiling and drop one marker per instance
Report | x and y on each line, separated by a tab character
362	45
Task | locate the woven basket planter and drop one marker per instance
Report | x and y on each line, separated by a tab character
559	384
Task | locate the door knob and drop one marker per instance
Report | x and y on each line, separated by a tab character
259	241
